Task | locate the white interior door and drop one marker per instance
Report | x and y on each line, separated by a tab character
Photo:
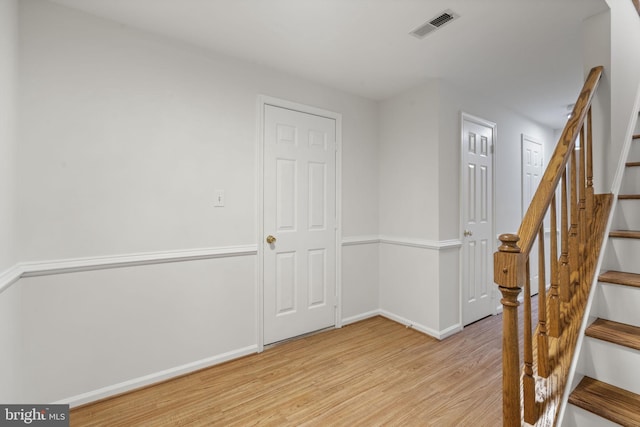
532	171
477	218
300	221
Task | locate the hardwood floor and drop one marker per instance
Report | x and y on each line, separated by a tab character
374	372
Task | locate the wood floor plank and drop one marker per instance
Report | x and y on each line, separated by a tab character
613	403
372	372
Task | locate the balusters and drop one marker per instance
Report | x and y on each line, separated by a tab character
543	339
528	381
589	149
565	279
554	300
582	189
573	231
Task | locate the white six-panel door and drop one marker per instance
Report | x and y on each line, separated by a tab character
532	171
477	218
300	221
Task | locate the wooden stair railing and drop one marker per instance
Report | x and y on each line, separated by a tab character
569	176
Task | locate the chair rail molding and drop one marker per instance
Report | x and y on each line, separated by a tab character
360	240
421	243
402	241
72	265
10	276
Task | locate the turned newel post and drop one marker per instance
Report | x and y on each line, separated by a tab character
509	276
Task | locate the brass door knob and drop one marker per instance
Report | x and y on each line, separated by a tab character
270	239
468	233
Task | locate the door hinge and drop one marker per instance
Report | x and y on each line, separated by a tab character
491	148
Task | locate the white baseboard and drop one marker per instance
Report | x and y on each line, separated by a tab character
440	335
359	317
451	330
447	332
156	377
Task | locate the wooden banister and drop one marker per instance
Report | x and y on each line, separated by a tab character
571	173
549	181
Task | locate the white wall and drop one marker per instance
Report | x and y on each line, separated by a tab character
625	76
124	136
100	328
596	50
10	327
409	163
409	286
8	139
360	267
11	361
611	39
408	206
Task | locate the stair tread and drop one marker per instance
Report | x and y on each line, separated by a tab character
615	332
632	164
608	401
621	278
637	136
630	234
629	196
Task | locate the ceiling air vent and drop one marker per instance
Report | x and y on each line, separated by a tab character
434	23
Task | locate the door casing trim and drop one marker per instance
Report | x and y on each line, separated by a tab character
264	100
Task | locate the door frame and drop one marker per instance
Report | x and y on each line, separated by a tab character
494	246
263	101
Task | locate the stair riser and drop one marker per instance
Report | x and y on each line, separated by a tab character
622	255
611	363
627	215
618	303
631	181
578	417
634	152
